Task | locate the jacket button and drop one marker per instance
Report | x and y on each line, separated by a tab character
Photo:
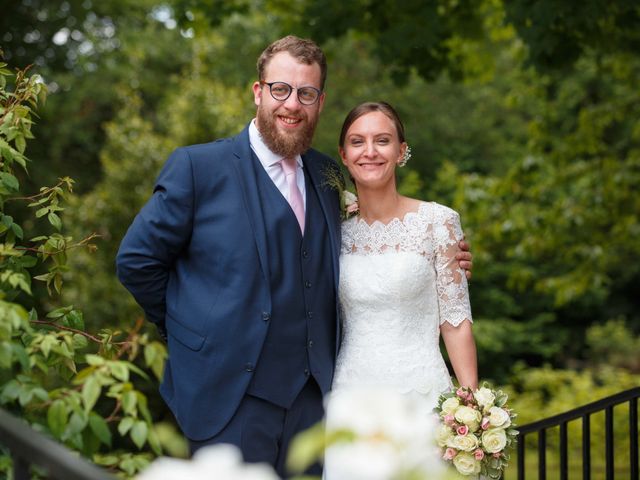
310	314
306	372
248	367
305	254
307	284
266	316
310	343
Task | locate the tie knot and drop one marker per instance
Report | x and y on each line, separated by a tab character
289	165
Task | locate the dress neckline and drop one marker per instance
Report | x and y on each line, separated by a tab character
362	222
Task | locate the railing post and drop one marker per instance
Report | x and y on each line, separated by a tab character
633	437
521	457
608	442
564	468
20	468
586	447
542	454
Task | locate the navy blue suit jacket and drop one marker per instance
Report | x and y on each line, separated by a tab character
194	259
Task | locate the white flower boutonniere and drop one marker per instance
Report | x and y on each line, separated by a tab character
349	204
334	180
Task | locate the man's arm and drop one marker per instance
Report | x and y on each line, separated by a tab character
157	236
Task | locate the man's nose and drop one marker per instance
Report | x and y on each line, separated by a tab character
292	103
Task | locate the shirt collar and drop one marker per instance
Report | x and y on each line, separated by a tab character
266	156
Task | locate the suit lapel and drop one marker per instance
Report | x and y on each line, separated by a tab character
247	179
329	208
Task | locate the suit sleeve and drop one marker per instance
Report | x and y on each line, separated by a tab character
157	237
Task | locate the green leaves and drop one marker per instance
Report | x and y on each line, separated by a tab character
57	417
90	393
40	357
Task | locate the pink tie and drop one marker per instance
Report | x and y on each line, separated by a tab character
290	166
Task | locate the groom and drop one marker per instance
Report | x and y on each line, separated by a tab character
235	259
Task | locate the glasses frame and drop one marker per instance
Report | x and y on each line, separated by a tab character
291	89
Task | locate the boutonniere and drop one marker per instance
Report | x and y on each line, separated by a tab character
348	200
348	204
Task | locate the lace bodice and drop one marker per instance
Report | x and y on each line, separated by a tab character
398	283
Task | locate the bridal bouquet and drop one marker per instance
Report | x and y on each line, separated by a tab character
476	430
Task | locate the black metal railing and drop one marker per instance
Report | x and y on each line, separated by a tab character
584	413
29	448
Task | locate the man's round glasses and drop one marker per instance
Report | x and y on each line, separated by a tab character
281	91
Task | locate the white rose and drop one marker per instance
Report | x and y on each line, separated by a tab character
443	436
468	416
450	405
349	198
484	397
466	443
494	440
499	417
466	464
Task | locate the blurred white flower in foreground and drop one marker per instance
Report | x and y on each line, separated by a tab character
217	461
379	435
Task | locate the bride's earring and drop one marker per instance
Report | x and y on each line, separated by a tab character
405	158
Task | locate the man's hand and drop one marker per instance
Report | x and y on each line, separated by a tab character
465	259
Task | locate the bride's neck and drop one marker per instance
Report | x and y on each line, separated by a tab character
376	205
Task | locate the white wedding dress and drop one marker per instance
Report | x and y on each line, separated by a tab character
398	283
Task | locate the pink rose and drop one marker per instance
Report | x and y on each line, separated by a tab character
353	208
449	420
449	453
461	393
478	454
462	430
485	423
497	455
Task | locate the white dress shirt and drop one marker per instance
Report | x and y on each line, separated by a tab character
271	164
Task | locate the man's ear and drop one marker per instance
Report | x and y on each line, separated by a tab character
321	101
257	93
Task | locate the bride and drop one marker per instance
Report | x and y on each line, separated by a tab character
401	286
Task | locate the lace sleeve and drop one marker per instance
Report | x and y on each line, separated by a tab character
451	282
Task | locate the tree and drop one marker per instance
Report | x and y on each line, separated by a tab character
69	383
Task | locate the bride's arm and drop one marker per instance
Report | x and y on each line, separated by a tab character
461	349
453	299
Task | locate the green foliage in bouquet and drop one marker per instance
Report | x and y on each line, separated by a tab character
72	385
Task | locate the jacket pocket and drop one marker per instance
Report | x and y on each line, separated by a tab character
184	335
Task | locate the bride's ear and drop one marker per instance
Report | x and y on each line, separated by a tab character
403	150
341	151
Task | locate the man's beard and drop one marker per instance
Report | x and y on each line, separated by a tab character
287	146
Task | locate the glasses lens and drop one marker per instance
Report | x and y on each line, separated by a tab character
308	95
280	90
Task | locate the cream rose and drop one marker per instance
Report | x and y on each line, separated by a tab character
468	416
450	405
466	464
466	443
443	436
494	440
485	398
499	417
